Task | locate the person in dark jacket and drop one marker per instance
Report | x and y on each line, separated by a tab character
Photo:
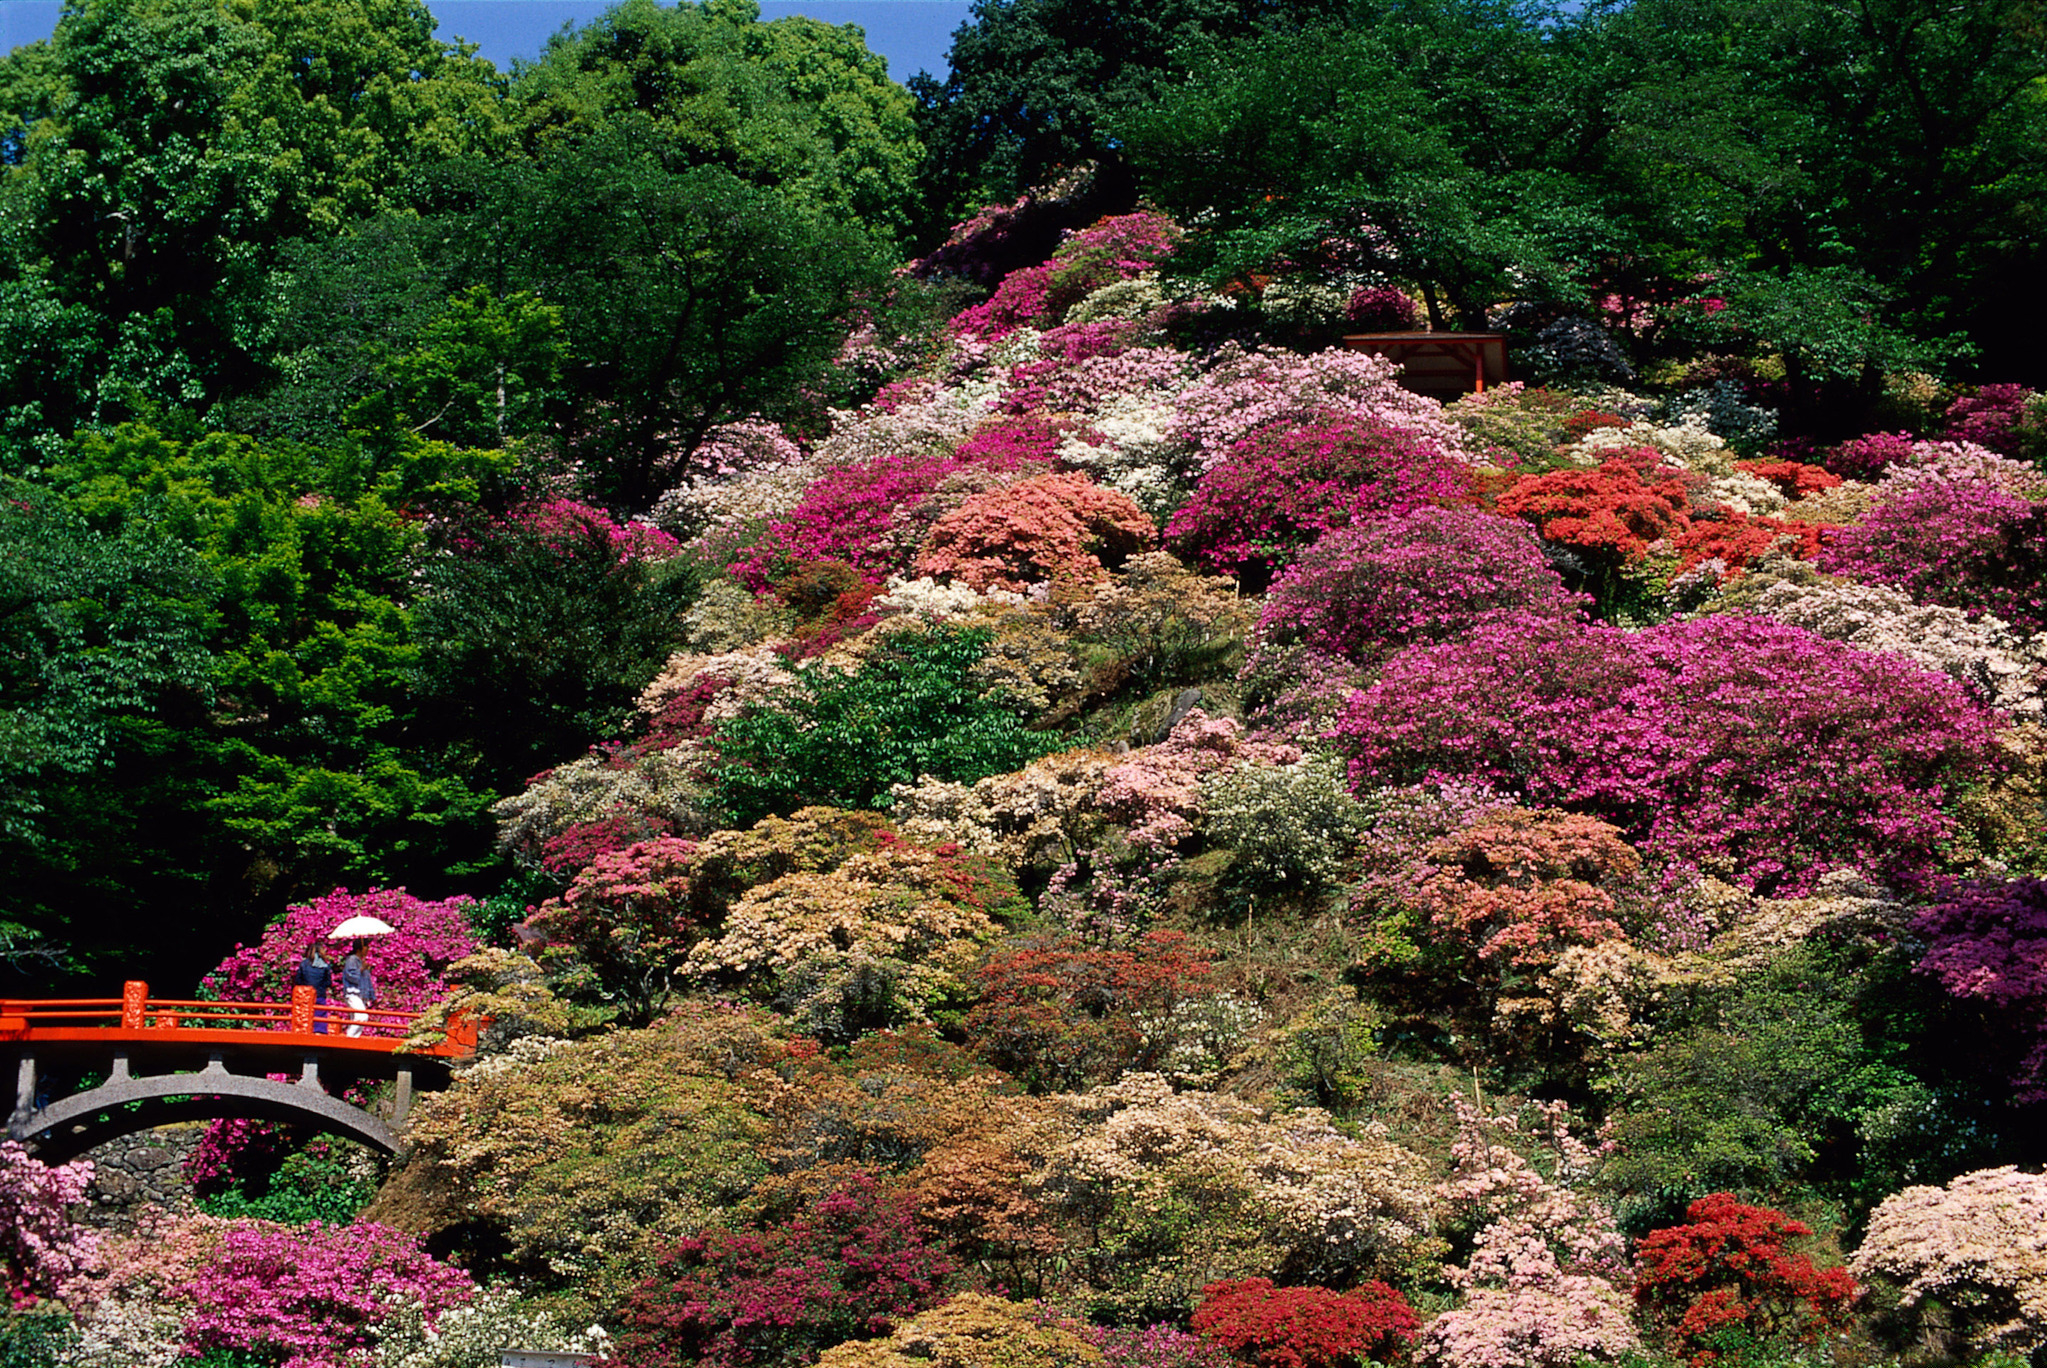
315	973
358	988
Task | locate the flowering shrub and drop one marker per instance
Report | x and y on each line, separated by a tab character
1288	827
1306	1327
1155	791
885	938
1867	458
313	1295
473	1334
1112	249
1795	479
1725	1281
1051	527
1370	589
1281	1195
1545	1256
1382	308
1519	887
407	964
1155	1346
559	814
1994	416
850	1266
1058	1015
1969	544
1287	484
975	1331
626	921
41	1247
1616	510
561	524
1977	1248
1754	749
845	515
560	1168
1987	940
1246	392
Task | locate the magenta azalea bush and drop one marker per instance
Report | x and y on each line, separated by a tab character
1368	590
407	964
313	1296
1969	544
1287	484
1755	749
1987	941
562	523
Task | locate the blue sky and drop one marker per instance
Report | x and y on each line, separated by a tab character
912	34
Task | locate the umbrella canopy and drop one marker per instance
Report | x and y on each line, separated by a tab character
361	926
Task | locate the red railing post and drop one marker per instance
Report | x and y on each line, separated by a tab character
134	998
302	1009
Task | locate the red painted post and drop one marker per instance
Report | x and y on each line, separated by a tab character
302	996
134	998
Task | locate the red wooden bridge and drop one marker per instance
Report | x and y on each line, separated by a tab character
173	1059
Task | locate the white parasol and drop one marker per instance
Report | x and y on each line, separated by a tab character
361	926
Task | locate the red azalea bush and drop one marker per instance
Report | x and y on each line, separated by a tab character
1753	748
1059	527
1287	484
1795	479
1615	511
1968	544
1987	941
849	1267
407	964
1059	1015
1728	1281
1735	539
1365	591
312	1296
1306	1327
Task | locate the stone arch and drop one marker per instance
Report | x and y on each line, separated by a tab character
69	1127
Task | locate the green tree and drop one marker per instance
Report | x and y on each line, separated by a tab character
794	104
177	145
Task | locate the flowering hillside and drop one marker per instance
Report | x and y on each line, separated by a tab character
1092	827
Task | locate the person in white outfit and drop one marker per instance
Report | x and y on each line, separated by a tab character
358	988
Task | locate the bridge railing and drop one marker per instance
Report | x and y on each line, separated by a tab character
136	1010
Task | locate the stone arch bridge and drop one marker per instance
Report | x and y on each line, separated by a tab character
166	1060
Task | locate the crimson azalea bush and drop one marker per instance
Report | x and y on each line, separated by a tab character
1288	483
1794	479
1616	510
1060	527
1987	941
1306	1327
1059	1015
408	964
1968	544
1365	591
1755	749
1994	416
1726	1282
560	524
849	1267
312	1296
1866	458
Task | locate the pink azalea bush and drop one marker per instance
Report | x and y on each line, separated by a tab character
313	1295
1156	791
845	515
1368	590
562	523
1754	749
1112	249
1987	941
1287	484
1867	458
41	1246
1994	416
408	964
1971	544
1049	528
